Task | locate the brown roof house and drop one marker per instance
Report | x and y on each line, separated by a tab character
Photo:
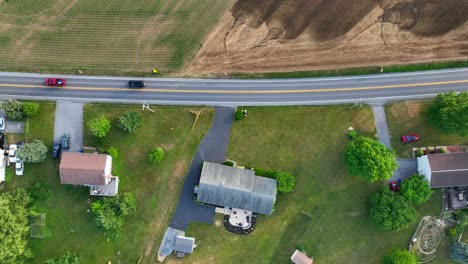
444	170
89	169
300	258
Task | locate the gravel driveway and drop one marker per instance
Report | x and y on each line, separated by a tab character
381	124
69	120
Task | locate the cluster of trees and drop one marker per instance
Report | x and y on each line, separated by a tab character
394	211
16	110
33	152
110	212
14	226
129	121
369	159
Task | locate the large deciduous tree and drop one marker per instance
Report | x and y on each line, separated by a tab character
416	189
369	159
390	211
33	152
399	256
449	112
99	126
14	227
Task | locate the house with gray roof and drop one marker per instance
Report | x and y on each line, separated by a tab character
444	170
226	186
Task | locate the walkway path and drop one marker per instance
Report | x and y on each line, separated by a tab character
212	148
380	121
69	120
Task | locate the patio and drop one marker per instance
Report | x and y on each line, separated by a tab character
240	218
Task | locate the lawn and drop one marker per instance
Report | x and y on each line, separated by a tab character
71	226
104	37
327	214
406	117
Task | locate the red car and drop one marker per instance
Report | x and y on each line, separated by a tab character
393	186
410	138
55	82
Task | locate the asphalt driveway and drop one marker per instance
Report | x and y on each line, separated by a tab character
69	120
212	148
380	121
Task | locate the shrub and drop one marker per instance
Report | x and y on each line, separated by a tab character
13	109
130	121
30	109
352	134
239	115
448	112
285	182
156	155
34	152
40	191
442	150
270	174
113	152
99	126
399	256
455	232
111	211
259	171
67	258
419	153
229	163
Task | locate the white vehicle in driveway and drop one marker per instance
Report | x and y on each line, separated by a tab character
19	167
12	153
2	124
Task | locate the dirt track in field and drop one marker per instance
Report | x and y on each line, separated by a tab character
293	35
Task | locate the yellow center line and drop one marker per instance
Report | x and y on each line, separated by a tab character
283	91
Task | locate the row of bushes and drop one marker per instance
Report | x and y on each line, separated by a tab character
129	122
16	110
420	153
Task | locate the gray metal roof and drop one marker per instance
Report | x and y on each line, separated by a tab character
448	169
237	188
184	244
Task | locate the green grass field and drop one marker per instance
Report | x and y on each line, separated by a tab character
71	227
327	213
104	37
411	117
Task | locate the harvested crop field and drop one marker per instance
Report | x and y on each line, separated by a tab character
106	35
298	35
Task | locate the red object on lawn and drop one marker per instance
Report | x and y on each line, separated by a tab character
410	137
393	186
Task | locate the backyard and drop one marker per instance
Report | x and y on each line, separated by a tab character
407	117
105	37
156	187
327	214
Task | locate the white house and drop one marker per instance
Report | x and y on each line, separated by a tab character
444	170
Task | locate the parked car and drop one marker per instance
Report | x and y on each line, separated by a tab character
12	153
66	141
55	82
136	84
56	150
409	138
393	186
2	124
19	167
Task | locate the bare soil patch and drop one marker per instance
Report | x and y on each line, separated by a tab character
414	108
293	35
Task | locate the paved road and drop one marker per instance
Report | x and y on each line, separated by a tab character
69	120
212	148
240	92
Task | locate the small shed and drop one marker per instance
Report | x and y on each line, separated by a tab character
300	258
184	245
